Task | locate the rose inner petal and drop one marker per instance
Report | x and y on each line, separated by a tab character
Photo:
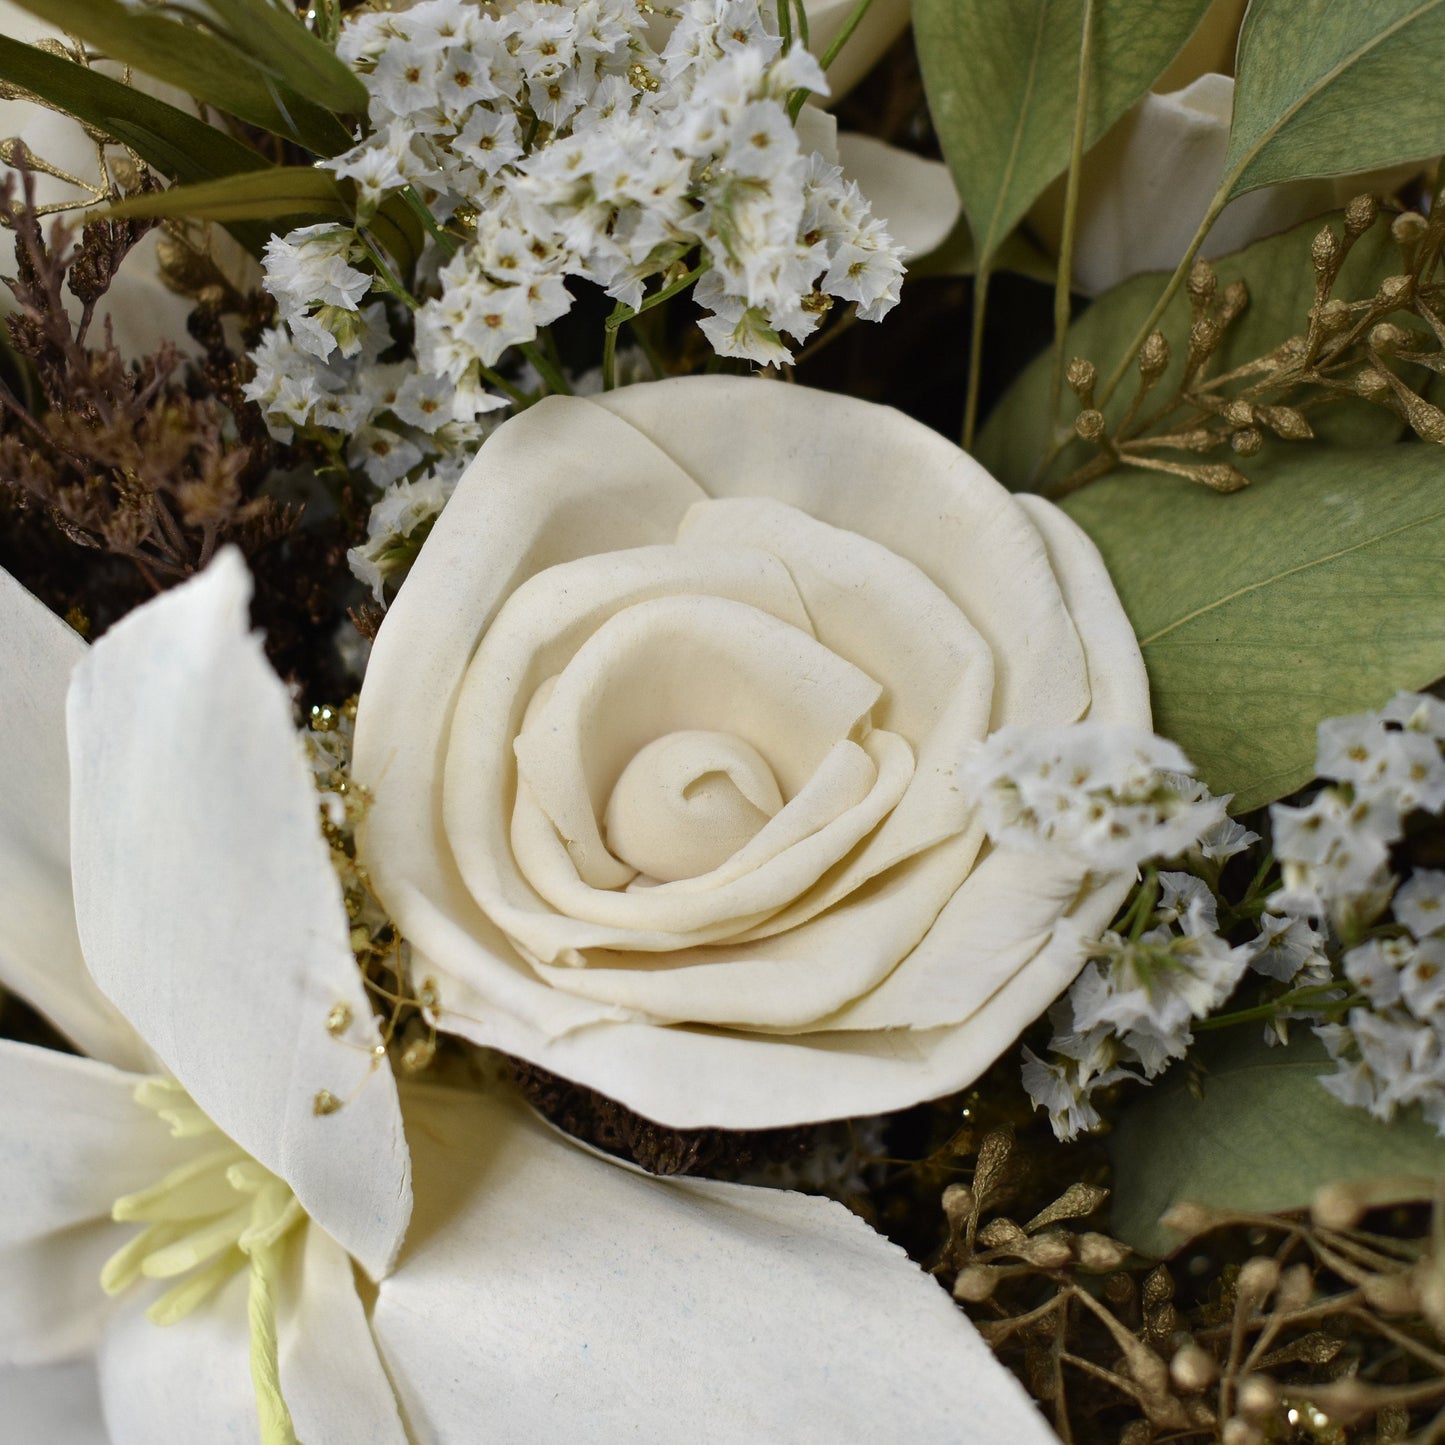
687	802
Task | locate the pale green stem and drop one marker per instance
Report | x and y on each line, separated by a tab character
846	33
271	1408
975	352
1221	199
549	373
799	97
1063	282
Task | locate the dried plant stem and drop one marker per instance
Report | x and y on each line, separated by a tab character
1063	281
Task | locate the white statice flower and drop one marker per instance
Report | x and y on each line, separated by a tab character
564	144
168	903
1420	902
1288	949
400	521
1334	851
1335	865
1080	1064
1101	791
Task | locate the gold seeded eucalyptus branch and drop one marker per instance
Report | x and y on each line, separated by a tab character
1322	1328
1350	348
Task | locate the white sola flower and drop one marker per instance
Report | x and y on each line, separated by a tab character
166	900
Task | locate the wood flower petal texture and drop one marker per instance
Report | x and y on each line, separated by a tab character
662	736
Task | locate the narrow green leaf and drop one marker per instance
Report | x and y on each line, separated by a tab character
293	194
201	63
1325	89
1318	591
265	195
1281	281
1263	1137
277	40
1001	81
179	146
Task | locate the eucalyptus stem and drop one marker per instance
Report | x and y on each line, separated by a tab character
1221	198
1064	277
975	352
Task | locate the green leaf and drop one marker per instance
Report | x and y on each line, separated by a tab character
955	256
1318	591
264	195
178	145
203	64
1262	1137
277	40
295	194
1281	281
1325	89
1001	81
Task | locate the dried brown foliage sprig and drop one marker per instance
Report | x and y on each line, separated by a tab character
120	477
1384	348
1266	1328
121	455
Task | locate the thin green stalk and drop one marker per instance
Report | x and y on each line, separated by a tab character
388	278
803	37
975	353
1063	282
846	33
496	379
434	229
620	313
799	98
1296	998
1151	322
552	375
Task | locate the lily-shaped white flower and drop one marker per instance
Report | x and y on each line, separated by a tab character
166	901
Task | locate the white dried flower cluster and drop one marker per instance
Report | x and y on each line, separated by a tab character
1130	1013
1334	851
1335	856
1110	795
399	523
561	144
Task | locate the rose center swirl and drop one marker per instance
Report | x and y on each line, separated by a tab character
687	802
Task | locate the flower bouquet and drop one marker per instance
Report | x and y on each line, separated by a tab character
592	848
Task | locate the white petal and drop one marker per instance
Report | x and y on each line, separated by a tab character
1118	683
1147	184
209	909
39	950
331	1374
182	1382
584	1301
72	1141
191	1380
871	470
913	196
53	1404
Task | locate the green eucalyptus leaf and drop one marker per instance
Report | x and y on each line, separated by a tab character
1261	1136
1324	89
179	146
1318	591
203	64
1281	281
1002	80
